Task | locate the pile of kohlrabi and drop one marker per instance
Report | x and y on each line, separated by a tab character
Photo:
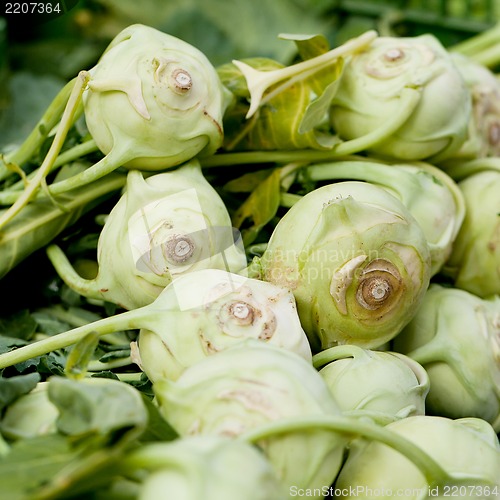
257	280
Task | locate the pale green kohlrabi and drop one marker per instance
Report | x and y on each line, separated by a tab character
474	263
372	87
163	226
152	102
208	467
431	196
356	260
250	385
30	415
465	448
214	310
455	336
197	315
381	384
484	126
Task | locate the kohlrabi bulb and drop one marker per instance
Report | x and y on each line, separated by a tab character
484	126
430	194
208	467
381	384
250	385
464	448
162	227
211	310
437	204
356	260
30	415
455	336
154	99
371	91
474	263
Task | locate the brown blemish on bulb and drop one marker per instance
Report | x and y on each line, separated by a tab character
494	134
210	347
214	121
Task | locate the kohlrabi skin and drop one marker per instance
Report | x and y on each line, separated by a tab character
356	260
484	127
430	194
212	310
474	263
455	336
384	385
247	386
371	91
208	467
168	94
30	415
466	447
162	227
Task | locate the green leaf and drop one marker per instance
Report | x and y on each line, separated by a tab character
14	387
20	324
9	343
96	405
48	324
30	95
326	83
31	463
223	30
260	206
247	182
81	355
41	221
115	354
55	467
308	46
295	117
48	364
158	428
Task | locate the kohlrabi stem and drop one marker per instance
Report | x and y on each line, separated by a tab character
359	170
326	356
4	447
9	196
62	130
259	81
40	132
479	42
409	100
76	152
287	200
431	470
157	456
489	57
97	366
114	159
128	320
389	176
130	376
459	171
67	272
